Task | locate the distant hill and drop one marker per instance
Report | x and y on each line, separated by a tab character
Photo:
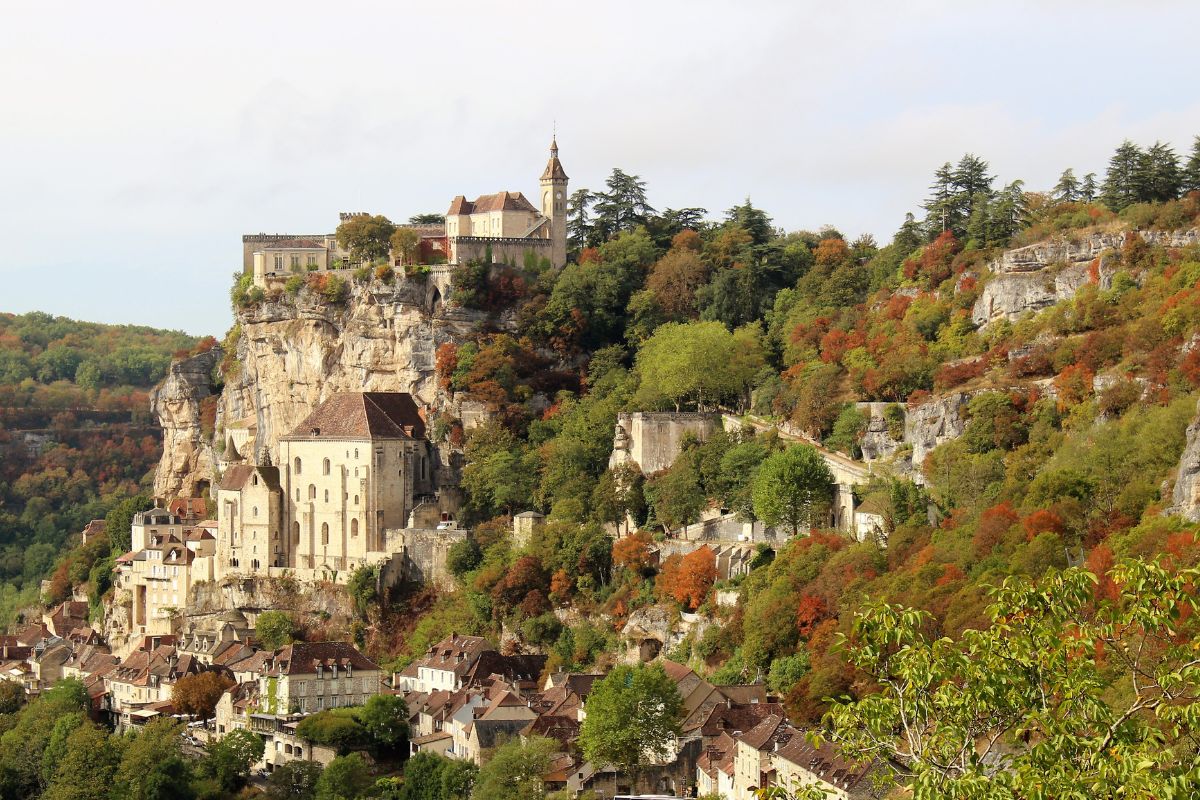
76	435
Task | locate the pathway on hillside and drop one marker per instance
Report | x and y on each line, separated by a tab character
844	468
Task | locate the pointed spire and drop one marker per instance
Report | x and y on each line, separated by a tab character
554	170
554	146
231	452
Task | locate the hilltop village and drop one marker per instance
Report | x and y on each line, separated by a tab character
512	502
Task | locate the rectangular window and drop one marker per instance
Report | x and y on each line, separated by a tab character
278	262
295	260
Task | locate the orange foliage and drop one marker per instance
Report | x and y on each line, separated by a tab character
1042	521
837	342
687	239
810	611
951	574
446	361
560	586
632	552
934	262
688	579
589	255
1099	562
831	251
953	374
993	522
1074	385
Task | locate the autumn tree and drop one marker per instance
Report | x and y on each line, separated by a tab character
198	694
404	243
688	579
794	488
632	552
366	237
674	280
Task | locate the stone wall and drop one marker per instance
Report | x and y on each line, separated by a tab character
653	440
420	557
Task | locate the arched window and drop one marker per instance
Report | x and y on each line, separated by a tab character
356	452
295	534
355	499
325	467
312	492
254	480
297	494
324	533
296	465
326	495
254	511
354	527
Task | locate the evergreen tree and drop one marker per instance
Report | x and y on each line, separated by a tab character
1158	174
1067	188
752	220
579	225
1121	180
1191	172
956	192
623	207
1087	190
908	238
939	206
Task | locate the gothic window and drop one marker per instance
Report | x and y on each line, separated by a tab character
356	453
326	495
325	467
324	533
295	533
355	499
296	465
354	527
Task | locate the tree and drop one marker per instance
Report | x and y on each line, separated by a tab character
274	629
701	362
632	718
87	767
294	780
515	771
427	219
404	243
1120	182
1158	174
118	520
674	281
793	487
1190	178
12	697
229	759
463	556
1067	188
385	718
579	225
689	578
623	207
1059	695
366	237
198	694
151	767
428	776
346	778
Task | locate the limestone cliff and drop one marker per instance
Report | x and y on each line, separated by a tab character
1040	275
180	403
292	353
1185	500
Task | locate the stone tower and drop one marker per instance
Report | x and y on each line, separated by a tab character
554	205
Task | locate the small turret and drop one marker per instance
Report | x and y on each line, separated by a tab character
231	454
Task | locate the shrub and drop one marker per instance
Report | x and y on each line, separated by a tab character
385	274
294	285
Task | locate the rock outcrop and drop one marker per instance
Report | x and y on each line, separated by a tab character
1185	499
187	465
934	422
880	442
292	354
1039	275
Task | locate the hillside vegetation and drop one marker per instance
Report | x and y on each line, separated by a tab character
76	435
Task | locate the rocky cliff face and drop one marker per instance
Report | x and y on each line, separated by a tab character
179	402
935	422
1185	500
292	354
1040	275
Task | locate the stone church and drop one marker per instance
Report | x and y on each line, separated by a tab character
351	475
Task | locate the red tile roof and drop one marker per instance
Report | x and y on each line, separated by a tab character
500	201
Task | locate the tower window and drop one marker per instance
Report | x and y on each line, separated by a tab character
325	467
312	492
296	465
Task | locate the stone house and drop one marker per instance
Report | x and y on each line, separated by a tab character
306	677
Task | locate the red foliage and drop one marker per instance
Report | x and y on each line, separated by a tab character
993	523
1094	271
446	361
1040	522
954	374
810	611
1190	367
1099	562
1074	385
897	307
831	251
934	262
837	342
560	586
951	574
589	255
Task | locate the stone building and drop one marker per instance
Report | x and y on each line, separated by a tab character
250	520
653	440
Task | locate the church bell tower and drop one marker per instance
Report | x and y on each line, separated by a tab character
554	205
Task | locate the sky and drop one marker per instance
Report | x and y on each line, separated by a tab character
140	140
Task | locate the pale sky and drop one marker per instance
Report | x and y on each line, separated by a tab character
139	141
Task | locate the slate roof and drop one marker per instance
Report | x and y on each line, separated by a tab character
363	415
554	168
825	762
303	658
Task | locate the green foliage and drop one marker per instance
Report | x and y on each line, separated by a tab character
337	727
385	719
1018	708
428	776
633	715
294	780
787	671
515	770
345	778
274	629
229	759
363	588
696	362
367	237
793	488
